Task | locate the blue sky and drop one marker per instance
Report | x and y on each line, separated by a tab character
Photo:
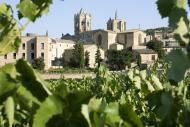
60	19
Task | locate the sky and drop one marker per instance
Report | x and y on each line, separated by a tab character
60	18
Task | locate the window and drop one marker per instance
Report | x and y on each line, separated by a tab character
83	23
126	39
23	46
23	55
99	39
5	56
14	55
42	45
32	56
42	55
32	46
153	57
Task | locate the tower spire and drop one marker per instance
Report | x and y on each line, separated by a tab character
116	14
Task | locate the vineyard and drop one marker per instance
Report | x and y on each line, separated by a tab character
133	99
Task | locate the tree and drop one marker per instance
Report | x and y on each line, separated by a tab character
157	46
77	59
119	59
86	59
38	63
98	58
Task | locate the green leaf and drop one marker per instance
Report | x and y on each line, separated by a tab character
165	7
179	64
8	83
178	20
31	81
53	105
9	31
166	110
33	9
9	110
163	105
157	83
129	116
85	112
112	113
28	9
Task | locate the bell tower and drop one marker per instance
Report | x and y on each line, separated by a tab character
82	22
116	24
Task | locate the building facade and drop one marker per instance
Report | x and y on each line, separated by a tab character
82	22
35	46
116	25
53	51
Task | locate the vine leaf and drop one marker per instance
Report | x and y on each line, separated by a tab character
9	31
9	110
179	64
163	104
129	116
165	7
8	83
175	10
31	81
85	112
32	9
50	107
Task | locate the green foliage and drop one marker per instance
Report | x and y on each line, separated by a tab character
175	10
51	106
162	29
165	8
9	110
8	83
9	31
135	98
33	9
129	115
77	59
118	59
179	63
157	46
86	59
39	64
98	58
31	80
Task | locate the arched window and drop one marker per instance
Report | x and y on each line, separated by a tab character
88	24
140	39
83	23
99	39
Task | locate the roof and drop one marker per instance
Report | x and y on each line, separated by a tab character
145	51
109	31
91	31
132	31
65	41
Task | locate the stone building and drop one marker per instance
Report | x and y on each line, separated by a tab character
91	48
116	37
34	46
146	57
116	34
116	25
82	22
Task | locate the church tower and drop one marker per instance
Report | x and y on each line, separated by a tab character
82	22
116	25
